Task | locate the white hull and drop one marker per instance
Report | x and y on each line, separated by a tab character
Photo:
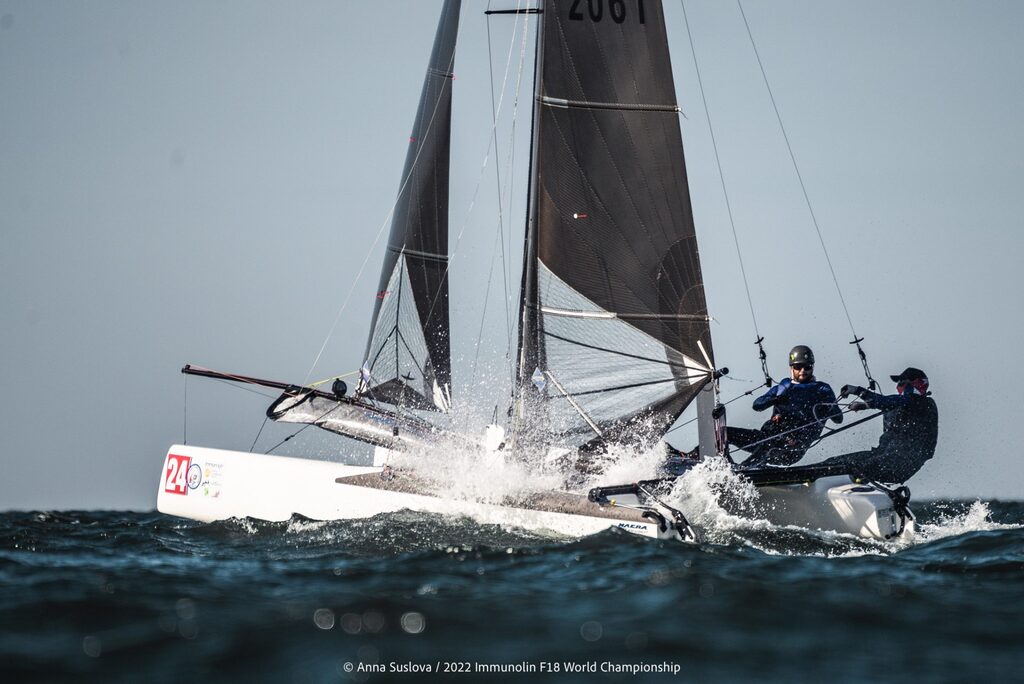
215	484
834	503
221	484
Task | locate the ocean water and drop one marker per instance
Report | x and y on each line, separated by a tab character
125	596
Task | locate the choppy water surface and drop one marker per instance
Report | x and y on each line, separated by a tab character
145	597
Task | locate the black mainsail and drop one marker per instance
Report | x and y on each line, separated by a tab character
614	334
408	356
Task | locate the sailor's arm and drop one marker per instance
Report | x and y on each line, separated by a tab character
884	402
770	398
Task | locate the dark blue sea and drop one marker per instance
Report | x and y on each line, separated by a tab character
121	596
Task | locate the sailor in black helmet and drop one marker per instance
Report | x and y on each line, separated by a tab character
800	407
910	429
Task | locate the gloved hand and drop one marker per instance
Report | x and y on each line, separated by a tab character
858	406
847	390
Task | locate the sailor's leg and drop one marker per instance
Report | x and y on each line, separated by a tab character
858	460
785	456
772	453
834	461
890	466
741	437
764	448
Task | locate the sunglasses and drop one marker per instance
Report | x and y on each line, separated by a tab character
802	366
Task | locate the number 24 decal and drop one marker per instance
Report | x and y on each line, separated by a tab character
595	10
182	474
176	481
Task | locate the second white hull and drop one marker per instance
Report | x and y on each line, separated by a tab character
834	503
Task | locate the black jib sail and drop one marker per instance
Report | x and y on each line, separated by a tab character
614	338
408	358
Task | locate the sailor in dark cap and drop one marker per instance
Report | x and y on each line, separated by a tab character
910	428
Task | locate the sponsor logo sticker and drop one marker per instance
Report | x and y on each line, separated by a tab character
195	476
212	477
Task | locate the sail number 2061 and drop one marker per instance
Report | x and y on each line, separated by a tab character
595	10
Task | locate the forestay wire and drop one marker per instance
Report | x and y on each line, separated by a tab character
814	219
394	205
492	145
380	231
496	109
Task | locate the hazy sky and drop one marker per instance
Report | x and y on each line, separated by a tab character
202	182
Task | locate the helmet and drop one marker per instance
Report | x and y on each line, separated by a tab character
801	354
911	381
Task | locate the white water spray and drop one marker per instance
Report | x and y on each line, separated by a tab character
977	518
477	473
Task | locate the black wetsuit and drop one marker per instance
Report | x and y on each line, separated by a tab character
910	429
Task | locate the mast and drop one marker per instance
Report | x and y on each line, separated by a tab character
529	353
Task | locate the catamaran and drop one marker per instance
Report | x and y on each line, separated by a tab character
614	340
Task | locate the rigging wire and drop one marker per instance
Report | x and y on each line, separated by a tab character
724	403
483	168
483	316
803	188
380	231
769	438
304	427
465	222
263	425
398	316
816	421
294	434
333	377
233	384
725	194
510	314
500	238
497	178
